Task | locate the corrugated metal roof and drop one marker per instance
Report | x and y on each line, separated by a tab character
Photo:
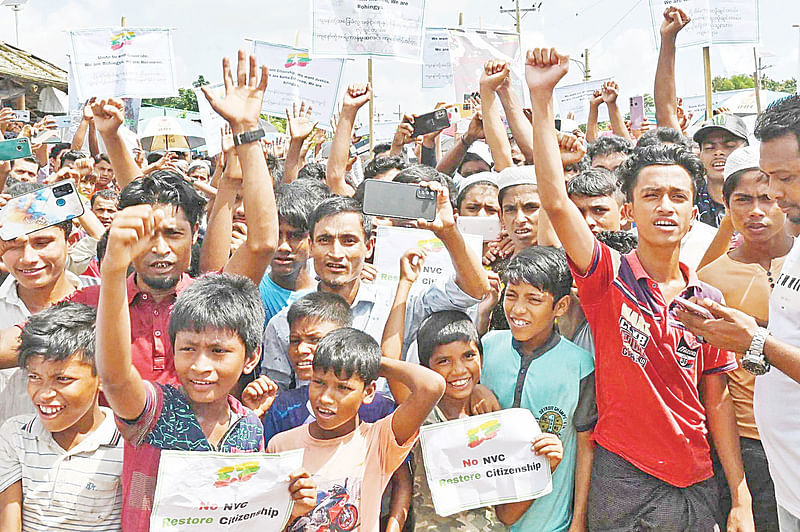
17	63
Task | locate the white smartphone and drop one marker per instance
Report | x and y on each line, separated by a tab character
21	116
487	227
41	208
694	308
62	121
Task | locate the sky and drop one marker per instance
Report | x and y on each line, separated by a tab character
618	34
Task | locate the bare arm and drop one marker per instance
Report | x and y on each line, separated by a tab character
610	92
216	249
544	68
94	147
300	127
664	91
108	117
11	508
521	128
9	342
79	138
583	477
402	136
355	97
493	76
402	488
93	227
426	387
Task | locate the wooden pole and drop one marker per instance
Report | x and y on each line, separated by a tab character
122	22
757	80
461	19
707	75
371	107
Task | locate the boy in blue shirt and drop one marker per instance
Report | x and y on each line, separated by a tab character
531	366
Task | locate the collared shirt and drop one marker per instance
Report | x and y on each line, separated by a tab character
647	368
13	381
70	490
371	308
151	347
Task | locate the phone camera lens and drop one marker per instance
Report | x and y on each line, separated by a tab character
61	202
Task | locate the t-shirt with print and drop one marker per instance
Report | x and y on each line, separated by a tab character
168	423
647	367
351	473
292	409
425	516
556	383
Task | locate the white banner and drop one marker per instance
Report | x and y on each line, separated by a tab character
392	242
469	51
232	491
294	76
347	28
437	71
713	21
123	62
484	460
575	99
212	122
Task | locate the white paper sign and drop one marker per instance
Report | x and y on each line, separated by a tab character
575	99
469	51
294	76
123	62
712	21
210	491
484	460
437	71
392	242
346	28
211	121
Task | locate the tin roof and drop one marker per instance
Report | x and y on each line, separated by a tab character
19	64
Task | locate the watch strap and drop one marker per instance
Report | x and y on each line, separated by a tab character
248	136
757	343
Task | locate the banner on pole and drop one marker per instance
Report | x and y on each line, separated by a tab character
347	28
209	491
295	76
575	99
470	49
211	121
712	21
123	62
484	460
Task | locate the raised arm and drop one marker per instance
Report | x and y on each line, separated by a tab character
610	92
521	128
216	250
543	70
354	98
594	112
426	388
452	159
494	75
664	91
402	135
300	127
131	234
79	137
241	107
108	117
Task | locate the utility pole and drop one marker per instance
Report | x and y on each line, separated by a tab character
586	71
519	13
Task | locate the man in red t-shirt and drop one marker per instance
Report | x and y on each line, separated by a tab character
652	464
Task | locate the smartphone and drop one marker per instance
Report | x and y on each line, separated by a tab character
48	136
429	122
486	226
694	308
62	121
637	112
41	208
399	200
17	148
21	116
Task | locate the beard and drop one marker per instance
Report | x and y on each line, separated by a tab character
161	283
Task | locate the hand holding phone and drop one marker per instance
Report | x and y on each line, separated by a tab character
43	207
430	122
17	148
399	200
693	308
637	112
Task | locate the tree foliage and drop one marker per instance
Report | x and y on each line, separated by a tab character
186	98
745	81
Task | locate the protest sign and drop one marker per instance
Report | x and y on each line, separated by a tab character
437	72
132	106
712	21
392	242
211	121
294	76
469	51
123	62
484	460
575	99
232	491
346	28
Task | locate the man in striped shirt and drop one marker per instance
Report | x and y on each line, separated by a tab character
60	468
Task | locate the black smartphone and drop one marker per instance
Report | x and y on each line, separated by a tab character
399	200
429	122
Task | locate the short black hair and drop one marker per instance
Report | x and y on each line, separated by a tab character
418	173
663	155
220	301
543	267
106	193
312	170
381	147
31	159
338	205
379	165
102	157
295	204
594	183
470	157
622	241
782	117
442	328
349	352
732	181
58	332
663	135
71	156
58	148
166	187
18	188
463	193
323	306
609	144
580	166
275	167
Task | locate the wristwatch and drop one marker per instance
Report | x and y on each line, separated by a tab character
754	360
248	136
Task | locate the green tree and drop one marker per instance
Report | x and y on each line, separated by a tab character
186	98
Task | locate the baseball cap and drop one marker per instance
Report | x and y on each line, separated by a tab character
516	175
744	158
724	122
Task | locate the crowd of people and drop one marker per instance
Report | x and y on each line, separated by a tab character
640	301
